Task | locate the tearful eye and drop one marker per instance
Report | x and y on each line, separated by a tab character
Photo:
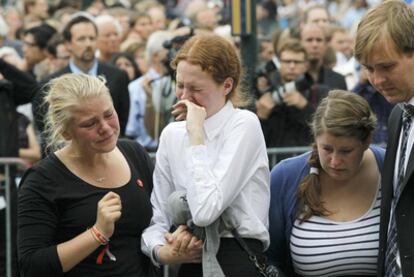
109	115
88	125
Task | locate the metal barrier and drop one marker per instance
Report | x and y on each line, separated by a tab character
8	162
273	153
286	151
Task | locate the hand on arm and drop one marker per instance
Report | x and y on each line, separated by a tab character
181	247
74	251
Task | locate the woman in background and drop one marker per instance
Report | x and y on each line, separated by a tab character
126	62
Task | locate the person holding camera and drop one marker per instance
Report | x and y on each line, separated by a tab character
145	96
289	104
324	211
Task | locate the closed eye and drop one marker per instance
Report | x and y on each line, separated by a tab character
88	124
109	114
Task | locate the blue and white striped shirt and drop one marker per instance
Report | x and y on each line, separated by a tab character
323	247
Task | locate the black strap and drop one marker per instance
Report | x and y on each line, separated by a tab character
242	243
260	265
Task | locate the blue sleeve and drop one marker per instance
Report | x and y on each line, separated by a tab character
134	112
277	221
284	180
379	153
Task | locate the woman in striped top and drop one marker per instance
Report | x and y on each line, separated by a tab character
324	211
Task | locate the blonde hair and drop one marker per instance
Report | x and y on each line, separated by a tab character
392	21
342	114
65	93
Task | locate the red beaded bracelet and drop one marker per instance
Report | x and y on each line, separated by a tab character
98	236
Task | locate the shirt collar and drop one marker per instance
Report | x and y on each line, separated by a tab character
152	73
214	123
411	101
92	71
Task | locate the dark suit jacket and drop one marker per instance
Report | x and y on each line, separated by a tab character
329	78
405	205
117	82
289	126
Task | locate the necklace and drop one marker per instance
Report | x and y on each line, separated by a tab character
100	180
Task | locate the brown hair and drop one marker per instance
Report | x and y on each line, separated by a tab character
342	114
391	21
311	8
293	45
216	56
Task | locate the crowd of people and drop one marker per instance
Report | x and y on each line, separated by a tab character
88	89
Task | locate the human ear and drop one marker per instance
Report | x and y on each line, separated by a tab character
66	135
68	47
228	85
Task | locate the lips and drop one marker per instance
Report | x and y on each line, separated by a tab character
105	139
387	89
337	170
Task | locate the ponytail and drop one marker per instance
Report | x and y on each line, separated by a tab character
309	191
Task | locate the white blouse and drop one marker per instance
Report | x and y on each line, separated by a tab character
230	171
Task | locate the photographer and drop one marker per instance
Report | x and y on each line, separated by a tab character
153	95
285	107
144	93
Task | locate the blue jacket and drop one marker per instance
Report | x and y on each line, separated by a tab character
285	179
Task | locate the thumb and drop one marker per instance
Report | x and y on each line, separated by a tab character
169	238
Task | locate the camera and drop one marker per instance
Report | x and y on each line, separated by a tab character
271	76
173	46
300	84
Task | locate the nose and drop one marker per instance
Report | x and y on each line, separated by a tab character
184	94
315	43
104	127
376	78
89	42
335	160
292	64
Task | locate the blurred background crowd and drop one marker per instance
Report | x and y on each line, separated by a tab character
304	49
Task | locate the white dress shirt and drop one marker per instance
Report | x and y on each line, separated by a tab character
229	171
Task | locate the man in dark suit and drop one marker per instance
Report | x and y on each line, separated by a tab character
314	39
80	35
385	48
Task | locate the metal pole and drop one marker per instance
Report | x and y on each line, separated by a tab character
8	223
248	49
7	162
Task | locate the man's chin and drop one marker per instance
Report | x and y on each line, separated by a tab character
88	56
393	98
